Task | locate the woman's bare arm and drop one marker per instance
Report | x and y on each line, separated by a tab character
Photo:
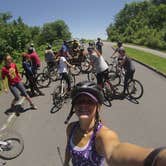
124	154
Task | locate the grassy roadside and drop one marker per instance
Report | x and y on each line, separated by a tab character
149	59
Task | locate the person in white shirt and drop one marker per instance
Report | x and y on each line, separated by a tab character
63	70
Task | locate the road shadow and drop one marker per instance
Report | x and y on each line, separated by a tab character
134	101
17	109
122	97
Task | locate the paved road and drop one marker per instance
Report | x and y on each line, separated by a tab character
142	123
155	52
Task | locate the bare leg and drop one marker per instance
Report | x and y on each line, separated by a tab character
13	102
30	102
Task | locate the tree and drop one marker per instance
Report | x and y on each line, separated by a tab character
158	2
4	17
53	31
141	23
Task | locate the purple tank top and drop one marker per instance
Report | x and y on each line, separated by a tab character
87	155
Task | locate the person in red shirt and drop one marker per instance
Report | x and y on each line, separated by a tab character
10	71
35	59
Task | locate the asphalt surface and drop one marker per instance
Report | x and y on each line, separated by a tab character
141	122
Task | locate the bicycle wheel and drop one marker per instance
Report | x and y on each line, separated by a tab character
114	78
107	91
85	66
57	100
135	89
52	72
43	80
92	77
75	71
15	144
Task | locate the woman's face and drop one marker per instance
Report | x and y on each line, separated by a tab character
85	107
8	60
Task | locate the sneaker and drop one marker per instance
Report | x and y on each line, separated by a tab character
33	107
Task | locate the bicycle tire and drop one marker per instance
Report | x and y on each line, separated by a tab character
114	78
135	89
75	71
107	91
15	149
56	108
43	80
85	66
92	77
53	73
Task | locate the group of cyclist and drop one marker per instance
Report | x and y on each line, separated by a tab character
89	141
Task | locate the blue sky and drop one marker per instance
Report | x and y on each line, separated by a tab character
85	18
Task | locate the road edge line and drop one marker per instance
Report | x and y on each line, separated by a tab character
12	118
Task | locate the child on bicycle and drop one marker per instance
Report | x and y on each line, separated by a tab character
63	65
89	141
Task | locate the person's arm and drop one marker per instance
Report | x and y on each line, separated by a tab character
125	154
97	52
4	84
70	65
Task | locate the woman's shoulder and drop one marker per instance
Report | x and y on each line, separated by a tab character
106	133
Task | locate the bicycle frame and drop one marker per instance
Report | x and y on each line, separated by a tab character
3	143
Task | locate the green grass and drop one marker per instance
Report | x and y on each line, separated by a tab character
152	60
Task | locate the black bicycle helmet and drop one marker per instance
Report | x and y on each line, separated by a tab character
30	50
87	87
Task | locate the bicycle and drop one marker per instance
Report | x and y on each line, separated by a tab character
42	79
11	144
134	89
60	94
113	77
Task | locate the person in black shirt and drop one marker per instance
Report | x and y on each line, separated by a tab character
99	45
128	66
30	75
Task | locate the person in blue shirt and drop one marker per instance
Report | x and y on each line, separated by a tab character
30	75
65	50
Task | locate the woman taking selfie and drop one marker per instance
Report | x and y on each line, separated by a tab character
89	141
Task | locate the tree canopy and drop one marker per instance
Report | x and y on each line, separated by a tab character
142	23
15	35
